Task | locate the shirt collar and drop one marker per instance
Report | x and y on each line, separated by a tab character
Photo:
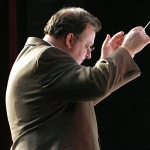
49	43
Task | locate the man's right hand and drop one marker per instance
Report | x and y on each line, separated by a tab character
135	40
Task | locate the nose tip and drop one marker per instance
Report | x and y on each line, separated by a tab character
88	55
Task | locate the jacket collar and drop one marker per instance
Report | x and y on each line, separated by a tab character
36	41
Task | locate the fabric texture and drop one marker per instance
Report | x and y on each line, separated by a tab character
50	98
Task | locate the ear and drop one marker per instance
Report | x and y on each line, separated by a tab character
69	40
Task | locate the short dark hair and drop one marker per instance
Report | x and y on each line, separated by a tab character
70	20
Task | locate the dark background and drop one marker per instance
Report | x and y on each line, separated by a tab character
123	117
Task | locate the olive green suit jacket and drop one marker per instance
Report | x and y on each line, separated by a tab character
50	98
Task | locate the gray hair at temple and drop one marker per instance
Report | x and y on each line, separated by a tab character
70	20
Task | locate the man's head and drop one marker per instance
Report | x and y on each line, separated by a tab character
77	28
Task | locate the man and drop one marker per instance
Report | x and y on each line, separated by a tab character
50	96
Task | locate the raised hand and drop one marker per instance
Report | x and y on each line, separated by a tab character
135	40
111	44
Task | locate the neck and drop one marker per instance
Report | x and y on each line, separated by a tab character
59	43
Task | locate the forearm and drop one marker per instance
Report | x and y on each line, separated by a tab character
122	69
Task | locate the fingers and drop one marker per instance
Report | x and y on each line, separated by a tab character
106	41
147	39
143	33
120	40
117	37
138	28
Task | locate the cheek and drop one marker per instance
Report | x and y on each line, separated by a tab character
81	51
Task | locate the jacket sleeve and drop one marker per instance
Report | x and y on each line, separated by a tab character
63	79
121	69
